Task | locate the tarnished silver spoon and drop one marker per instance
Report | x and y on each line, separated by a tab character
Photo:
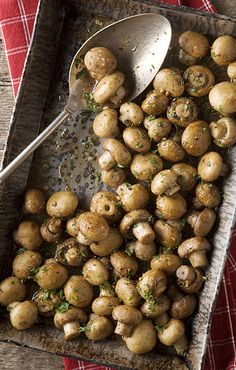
140	44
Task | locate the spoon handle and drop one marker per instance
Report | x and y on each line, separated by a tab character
34	145
72	106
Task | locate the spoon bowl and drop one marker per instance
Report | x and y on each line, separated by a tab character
140	44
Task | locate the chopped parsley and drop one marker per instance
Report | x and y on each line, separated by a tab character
91	104
81	74
63	307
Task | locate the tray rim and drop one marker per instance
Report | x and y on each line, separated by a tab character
18	100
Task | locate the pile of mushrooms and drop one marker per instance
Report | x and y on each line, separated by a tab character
133	264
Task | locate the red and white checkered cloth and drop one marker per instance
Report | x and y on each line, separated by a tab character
17	20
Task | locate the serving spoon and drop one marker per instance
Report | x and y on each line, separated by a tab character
140	44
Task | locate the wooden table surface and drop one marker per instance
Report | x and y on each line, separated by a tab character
11	356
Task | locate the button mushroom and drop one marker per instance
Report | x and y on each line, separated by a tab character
106	203
124	265
223	50
172	332
171	207
165	182
100	61
95	272
72	227
113	177
202	222
105	124
208	194
194	46
70	321
195	250
182	112
131	114
198	80
168	263
145	166
70	252
106	246
104	306
143	339
136	223
142	251
11	290
154	308
127	318
132	197
222	98
137	139
110	87
62	204
98	328
126	291
107	290
210	166
196	138
231	71
224	132
47	301
34	202
186	176
167	234
183	307
51	275
155	104
78	291
52	230
170	150
170	82
23	315
28	235
190	279
115	154
158	128
152	284
24	263
92	227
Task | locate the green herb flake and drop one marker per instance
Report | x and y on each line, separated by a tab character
34	271
82	74
159	328
91	104
151	219
98	176
63	307
21	250
62	294
151	117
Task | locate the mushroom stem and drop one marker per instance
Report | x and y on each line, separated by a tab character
181	346
120	94
106	161
143	232
106	208
123	329
172	190
162	319
186	273
198	259
82	239
71	329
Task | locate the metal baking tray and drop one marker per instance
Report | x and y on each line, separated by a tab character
62	26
